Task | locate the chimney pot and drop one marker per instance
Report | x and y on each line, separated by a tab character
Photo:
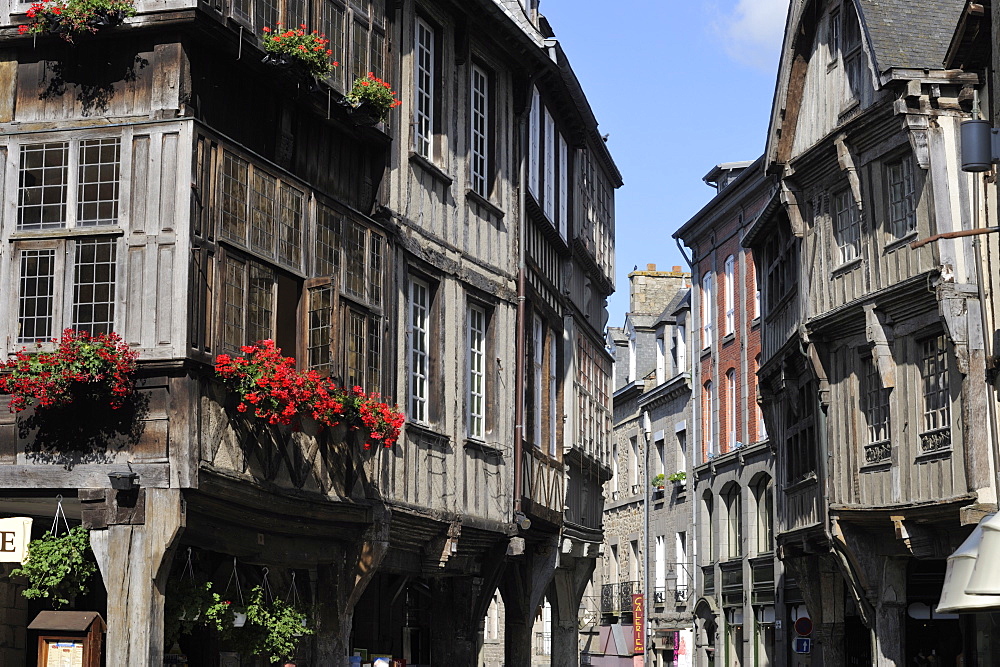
651	267
677	269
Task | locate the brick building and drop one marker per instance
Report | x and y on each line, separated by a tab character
732	472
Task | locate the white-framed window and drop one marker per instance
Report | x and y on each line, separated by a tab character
730	295
707	421
424	54
935	384
834	41
731	408
534	141
902	197
846	225
660	465
538	357
660	565
680	347
419	348
681	449
553	391
761	427
65	283
633	461
563	188
706	310
631	358
479	128
661	359
734	521
549	190
477	372
66	184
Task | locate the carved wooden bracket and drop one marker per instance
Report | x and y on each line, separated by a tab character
880	334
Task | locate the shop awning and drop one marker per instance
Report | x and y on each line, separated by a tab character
972	579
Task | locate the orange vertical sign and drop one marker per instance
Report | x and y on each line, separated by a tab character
638	624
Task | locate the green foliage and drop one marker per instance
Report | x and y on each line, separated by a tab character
76	17
658	480
58	568
678	476
310	49
272	628
375	92
189	604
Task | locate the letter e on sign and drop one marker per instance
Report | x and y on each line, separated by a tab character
15	533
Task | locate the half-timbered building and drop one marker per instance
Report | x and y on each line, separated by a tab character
872	359
160	181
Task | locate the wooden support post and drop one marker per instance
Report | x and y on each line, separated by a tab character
889	614
339	587
566	594
525	581
134	559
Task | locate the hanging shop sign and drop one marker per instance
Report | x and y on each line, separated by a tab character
15	533
638	624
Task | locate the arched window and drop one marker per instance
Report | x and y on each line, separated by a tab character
764	497
734	521
708	529
730	295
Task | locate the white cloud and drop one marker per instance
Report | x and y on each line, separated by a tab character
752	32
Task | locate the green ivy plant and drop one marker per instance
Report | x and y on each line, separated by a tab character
58	568
189	604
272	628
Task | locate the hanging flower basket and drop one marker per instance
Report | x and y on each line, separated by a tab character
371	99
58	567
100	367
75	17
297	49
273	626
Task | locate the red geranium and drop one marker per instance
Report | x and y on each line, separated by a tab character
104	363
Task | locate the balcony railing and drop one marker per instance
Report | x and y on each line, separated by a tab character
543	643
617	598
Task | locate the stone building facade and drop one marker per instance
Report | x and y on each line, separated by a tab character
655	298
738	611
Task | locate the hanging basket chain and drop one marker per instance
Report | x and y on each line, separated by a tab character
55	519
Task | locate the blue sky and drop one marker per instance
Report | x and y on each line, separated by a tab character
680	86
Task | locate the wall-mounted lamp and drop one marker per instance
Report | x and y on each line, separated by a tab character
980	145
523	522
124	481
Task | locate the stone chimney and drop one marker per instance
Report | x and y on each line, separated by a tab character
650	291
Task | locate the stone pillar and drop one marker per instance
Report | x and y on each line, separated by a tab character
134	558
576	567
890	608
339	587
524	582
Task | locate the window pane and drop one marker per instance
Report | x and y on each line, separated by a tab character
233	332
290	225
423	88
374	382
375	269
35	295
260	307
42	186
479	129
94	285
356	335
327	243
354	260
477	377
359	49
235	173
418	350
320	314
97	190
263	202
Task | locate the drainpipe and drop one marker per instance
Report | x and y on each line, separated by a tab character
647	431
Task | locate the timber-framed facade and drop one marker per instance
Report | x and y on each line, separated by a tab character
455	257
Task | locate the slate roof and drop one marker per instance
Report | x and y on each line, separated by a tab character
910	33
